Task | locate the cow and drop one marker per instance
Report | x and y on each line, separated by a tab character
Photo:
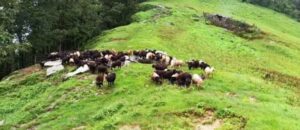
110	78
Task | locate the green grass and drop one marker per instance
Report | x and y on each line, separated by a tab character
34	101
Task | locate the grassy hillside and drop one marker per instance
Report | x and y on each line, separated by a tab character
238	95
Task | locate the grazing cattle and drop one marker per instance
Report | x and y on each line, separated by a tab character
108	56
100	80
77	61
209	71
203	65
176	63
150	56
42	64
193	64
66	59
102	69
77	53
198	80
101	61
95	54
160	66
53	56
117	64
184	79
114	58
173	78
145	61
166	59
93	66
123	58
171	75
161	73
72	61
158	56
143	54
161	52
110	78
156	78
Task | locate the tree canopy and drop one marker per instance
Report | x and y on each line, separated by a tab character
56	25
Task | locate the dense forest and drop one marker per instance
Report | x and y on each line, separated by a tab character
29	29
289	7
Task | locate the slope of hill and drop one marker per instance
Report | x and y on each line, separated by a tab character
255	86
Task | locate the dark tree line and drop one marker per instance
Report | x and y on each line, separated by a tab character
30	29
289	7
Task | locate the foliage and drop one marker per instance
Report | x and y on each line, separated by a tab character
237	87
289	7
51	25
12	57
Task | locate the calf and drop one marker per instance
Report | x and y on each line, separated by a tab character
110	78
116	64
100	79
102	61
160	66
42	64
150	56
177	63
93	66
209	71
193	64
166	59
184	79
156	78
102	69
145	61
203	65
198	80
53	56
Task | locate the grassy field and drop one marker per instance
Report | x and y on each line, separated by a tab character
237	95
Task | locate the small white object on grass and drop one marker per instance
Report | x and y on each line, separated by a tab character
81	69
54	69
53	63
1	122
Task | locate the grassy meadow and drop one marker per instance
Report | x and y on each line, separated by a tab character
237	94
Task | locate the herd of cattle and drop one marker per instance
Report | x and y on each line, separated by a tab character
104	62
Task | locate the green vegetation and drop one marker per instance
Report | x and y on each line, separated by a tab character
51	25
289	7
255	86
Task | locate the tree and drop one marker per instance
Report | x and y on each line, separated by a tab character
57	25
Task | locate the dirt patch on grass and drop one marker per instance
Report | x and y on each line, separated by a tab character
79	128
231	94
201	120
189	113
216	124
19	74
31	69
130	127
239	28
278	77
207	121
169	33
118	39
252	99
